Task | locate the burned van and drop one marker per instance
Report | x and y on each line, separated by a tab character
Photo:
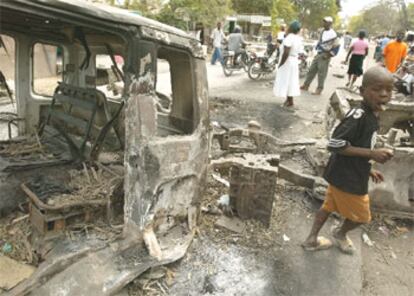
112	117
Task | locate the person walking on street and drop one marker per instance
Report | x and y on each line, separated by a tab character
349	167
395	53
358	51
281	34
384	41
347	40
327	47
217	37
287	78
236	43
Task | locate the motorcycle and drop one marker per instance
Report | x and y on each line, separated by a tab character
263	65
242	61
303	64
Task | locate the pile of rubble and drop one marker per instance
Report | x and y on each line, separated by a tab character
89	206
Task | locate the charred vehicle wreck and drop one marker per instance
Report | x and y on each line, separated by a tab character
119	132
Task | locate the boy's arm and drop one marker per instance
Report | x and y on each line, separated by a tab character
347	132
381	155
376	176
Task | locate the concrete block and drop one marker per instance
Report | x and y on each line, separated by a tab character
398	189
253	182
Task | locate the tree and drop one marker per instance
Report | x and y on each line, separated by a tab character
410	15
356	23
311	12
179	12
282	10
381	18
263	7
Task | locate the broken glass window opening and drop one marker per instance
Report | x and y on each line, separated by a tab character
113	107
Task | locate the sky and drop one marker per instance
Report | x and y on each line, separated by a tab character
353	7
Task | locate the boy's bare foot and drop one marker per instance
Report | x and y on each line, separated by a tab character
317	244
304	87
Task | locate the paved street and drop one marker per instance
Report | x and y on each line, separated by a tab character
309	109
282	267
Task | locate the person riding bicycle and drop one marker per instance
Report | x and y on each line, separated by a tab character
236	43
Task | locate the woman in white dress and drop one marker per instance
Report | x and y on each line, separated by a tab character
287	78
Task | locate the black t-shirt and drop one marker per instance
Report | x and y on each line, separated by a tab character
348	173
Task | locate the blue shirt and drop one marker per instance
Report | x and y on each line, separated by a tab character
384	42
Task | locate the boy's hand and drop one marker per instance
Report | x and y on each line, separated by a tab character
382	155
376	176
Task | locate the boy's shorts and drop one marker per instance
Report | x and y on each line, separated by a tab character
350	206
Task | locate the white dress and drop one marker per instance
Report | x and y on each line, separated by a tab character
287	77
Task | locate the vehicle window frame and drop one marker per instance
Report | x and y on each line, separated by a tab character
194	101
34	94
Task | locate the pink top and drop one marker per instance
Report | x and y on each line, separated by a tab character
359	47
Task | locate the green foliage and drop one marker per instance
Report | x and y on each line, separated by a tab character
356	23
410	12
311	12
263	7
282	10
382	18
180	12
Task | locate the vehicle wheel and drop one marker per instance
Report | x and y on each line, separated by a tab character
227	66
303	70
245	62
254	72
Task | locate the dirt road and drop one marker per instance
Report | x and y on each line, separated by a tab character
263	261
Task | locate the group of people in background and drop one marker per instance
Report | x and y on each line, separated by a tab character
389	52
287	79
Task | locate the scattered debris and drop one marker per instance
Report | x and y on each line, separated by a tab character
367	240
152	243
286	238
7	248
192	218
211	209
233	224
210	286
13	272
221	180
253	140
385	231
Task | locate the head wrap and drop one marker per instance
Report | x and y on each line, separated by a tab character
295	26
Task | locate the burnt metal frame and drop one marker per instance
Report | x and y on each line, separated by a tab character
79	151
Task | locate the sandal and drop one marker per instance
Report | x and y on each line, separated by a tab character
346	246
322	244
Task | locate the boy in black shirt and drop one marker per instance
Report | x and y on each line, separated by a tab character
349	168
